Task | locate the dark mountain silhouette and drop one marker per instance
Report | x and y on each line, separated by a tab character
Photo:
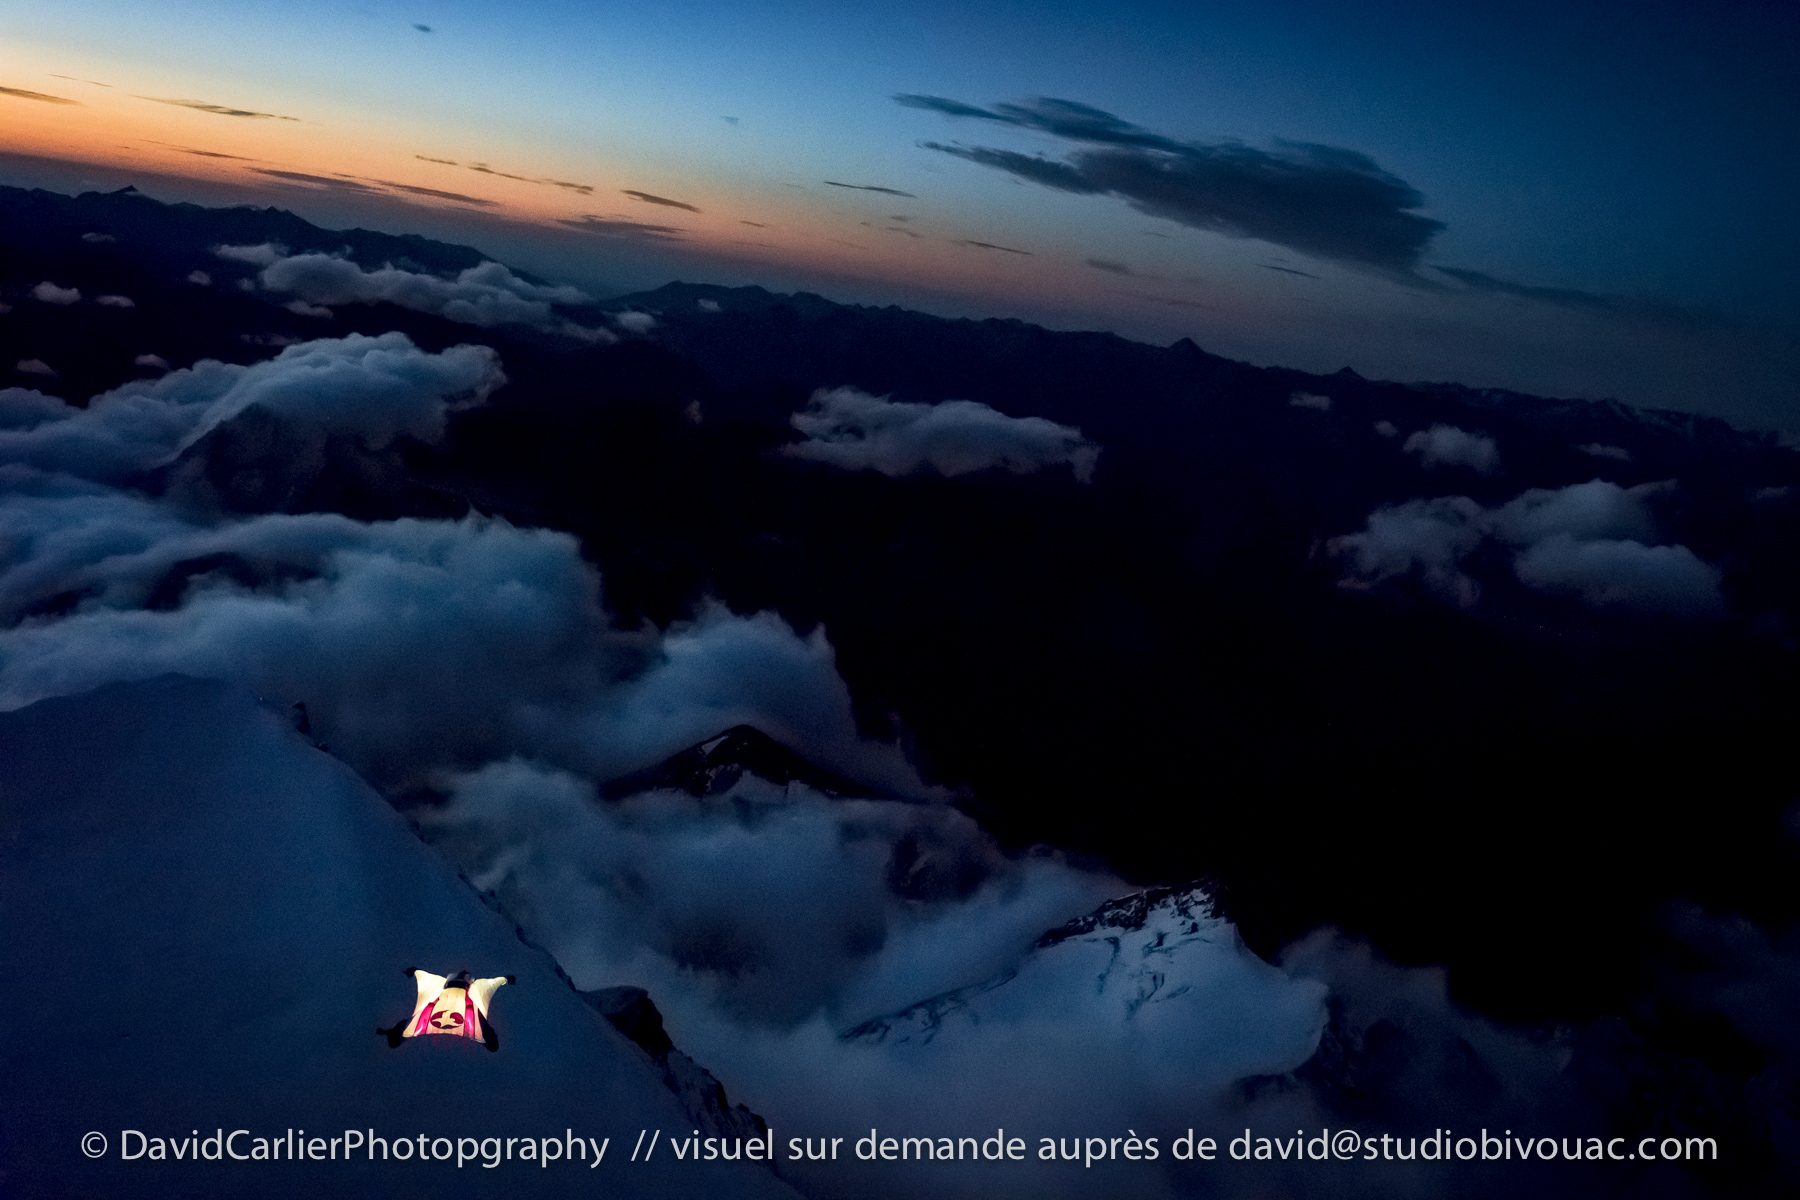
715	766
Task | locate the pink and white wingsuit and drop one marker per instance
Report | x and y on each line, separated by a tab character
456	1006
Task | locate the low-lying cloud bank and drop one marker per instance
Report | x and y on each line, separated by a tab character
1596	542
1448	446
487	295
374	387
849	428
769	921
418	645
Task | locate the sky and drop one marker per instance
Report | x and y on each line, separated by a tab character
1588	200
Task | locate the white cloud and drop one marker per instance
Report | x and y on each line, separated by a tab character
849	428
156	361
97	239
707	306
201	278
1426	537
1595	541
1624	575
35	366
1597	450
21	408
115	301
1387	429
779	903
418	645
1310	400
1588	511
302	308
262	255
485	295
1448	446
634	322
375	388
49	293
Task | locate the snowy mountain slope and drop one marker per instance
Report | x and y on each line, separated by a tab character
633	1013
206	919
1161	968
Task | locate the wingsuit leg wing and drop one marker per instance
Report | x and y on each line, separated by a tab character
481	993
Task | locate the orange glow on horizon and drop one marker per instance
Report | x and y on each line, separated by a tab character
803	232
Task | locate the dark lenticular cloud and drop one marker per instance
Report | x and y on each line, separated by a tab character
434	193
585	189
221	110
23	94
1060	118
304	179
369	187
1109	266
991	246
1287	270
870	187
1631	308
622	227
214	154
652	198
1323	201
484	169
1166	301
1033	167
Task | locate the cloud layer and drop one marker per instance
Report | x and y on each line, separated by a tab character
420	645
486	295
1448	446
849	428
1596	542
376	388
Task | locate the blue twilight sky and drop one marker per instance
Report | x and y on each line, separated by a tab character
1582	199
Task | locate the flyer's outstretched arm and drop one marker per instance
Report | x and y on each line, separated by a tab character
429	987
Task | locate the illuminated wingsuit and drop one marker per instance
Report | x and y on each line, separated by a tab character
456	1006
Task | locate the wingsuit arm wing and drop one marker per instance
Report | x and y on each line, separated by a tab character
430	987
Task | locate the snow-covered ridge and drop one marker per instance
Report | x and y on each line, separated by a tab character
1160	964
1184	907
207	920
